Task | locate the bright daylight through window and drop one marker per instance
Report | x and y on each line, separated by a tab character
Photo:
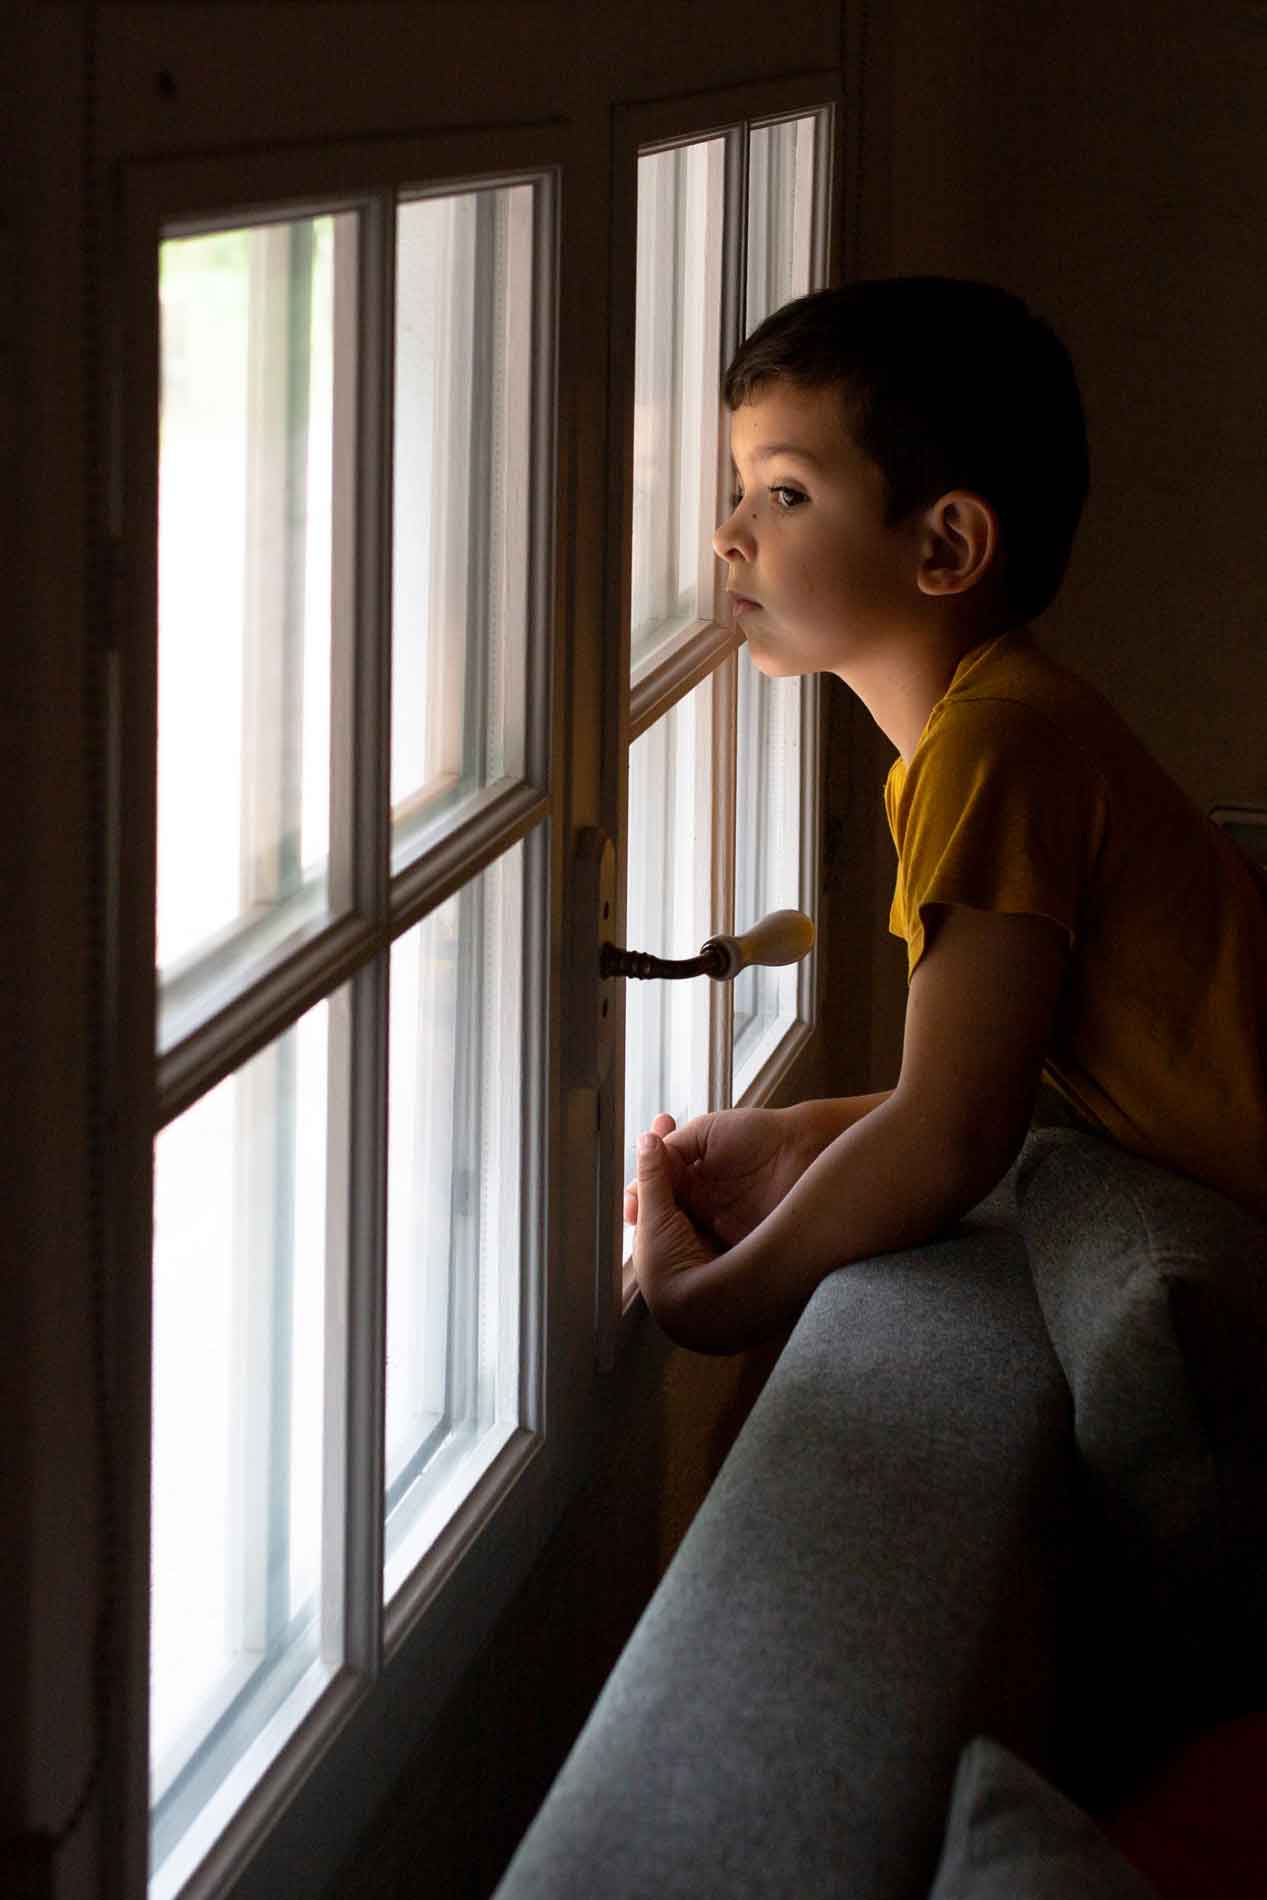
734	722
387	1071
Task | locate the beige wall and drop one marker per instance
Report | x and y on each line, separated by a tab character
1106	159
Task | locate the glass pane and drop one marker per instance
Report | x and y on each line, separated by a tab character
248	354
461	483
768	814
767	855
454	1240
780	216
666	1024
239	1426
676	371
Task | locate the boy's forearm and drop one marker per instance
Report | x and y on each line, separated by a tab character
818	1122
883	1183
979	1018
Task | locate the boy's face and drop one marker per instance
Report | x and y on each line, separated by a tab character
816	576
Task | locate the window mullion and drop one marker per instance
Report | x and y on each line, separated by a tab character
826	173
356	1310
360	845
734	269
725	680
364	689
676	184
811	840
722	847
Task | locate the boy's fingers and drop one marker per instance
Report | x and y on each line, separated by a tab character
655	1196
665	1243
688	1143
662	1125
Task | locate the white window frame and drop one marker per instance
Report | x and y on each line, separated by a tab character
369	909
707	648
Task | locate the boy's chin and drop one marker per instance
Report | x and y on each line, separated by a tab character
775	666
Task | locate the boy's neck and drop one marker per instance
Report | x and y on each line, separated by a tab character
900	686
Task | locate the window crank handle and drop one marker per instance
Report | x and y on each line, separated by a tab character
784	936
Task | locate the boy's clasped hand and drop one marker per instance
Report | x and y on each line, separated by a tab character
704	1187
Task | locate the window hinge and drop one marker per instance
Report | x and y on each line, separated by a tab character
594	919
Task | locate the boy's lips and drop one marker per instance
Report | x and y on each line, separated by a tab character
741	603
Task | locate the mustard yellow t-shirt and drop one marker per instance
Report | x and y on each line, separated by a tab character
1027	793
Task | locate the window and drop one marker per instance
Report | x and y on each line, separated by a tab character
351	834
364	708
721	813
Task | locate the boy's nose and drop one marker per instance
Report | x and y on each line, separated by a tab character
732	541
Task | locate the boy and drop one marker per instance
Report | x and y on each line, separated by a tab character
912	466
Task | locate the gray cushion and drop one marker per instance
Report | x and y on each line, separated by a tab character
1012	1836
1154	1292
873	1579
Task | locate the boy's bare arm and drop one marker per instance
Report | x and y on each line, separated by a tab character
978	1022
820	1121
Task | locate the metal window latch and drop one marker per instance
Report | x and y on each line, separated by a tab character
785	936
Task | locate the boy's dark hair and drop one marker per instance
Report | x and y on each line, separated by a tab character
946	384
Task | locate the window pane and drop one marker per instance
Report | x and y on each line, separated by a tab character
464	321
767	855
676	371
239	1420
454	1240
768	814
245	582
666	1023
780	216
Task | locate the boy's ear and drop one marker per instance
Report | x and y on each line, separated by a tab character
960	543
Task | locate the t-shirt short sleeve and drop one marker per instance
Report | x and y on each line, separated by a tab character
993	812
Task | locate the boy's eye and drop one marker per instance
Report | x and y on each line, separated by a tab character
784	497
